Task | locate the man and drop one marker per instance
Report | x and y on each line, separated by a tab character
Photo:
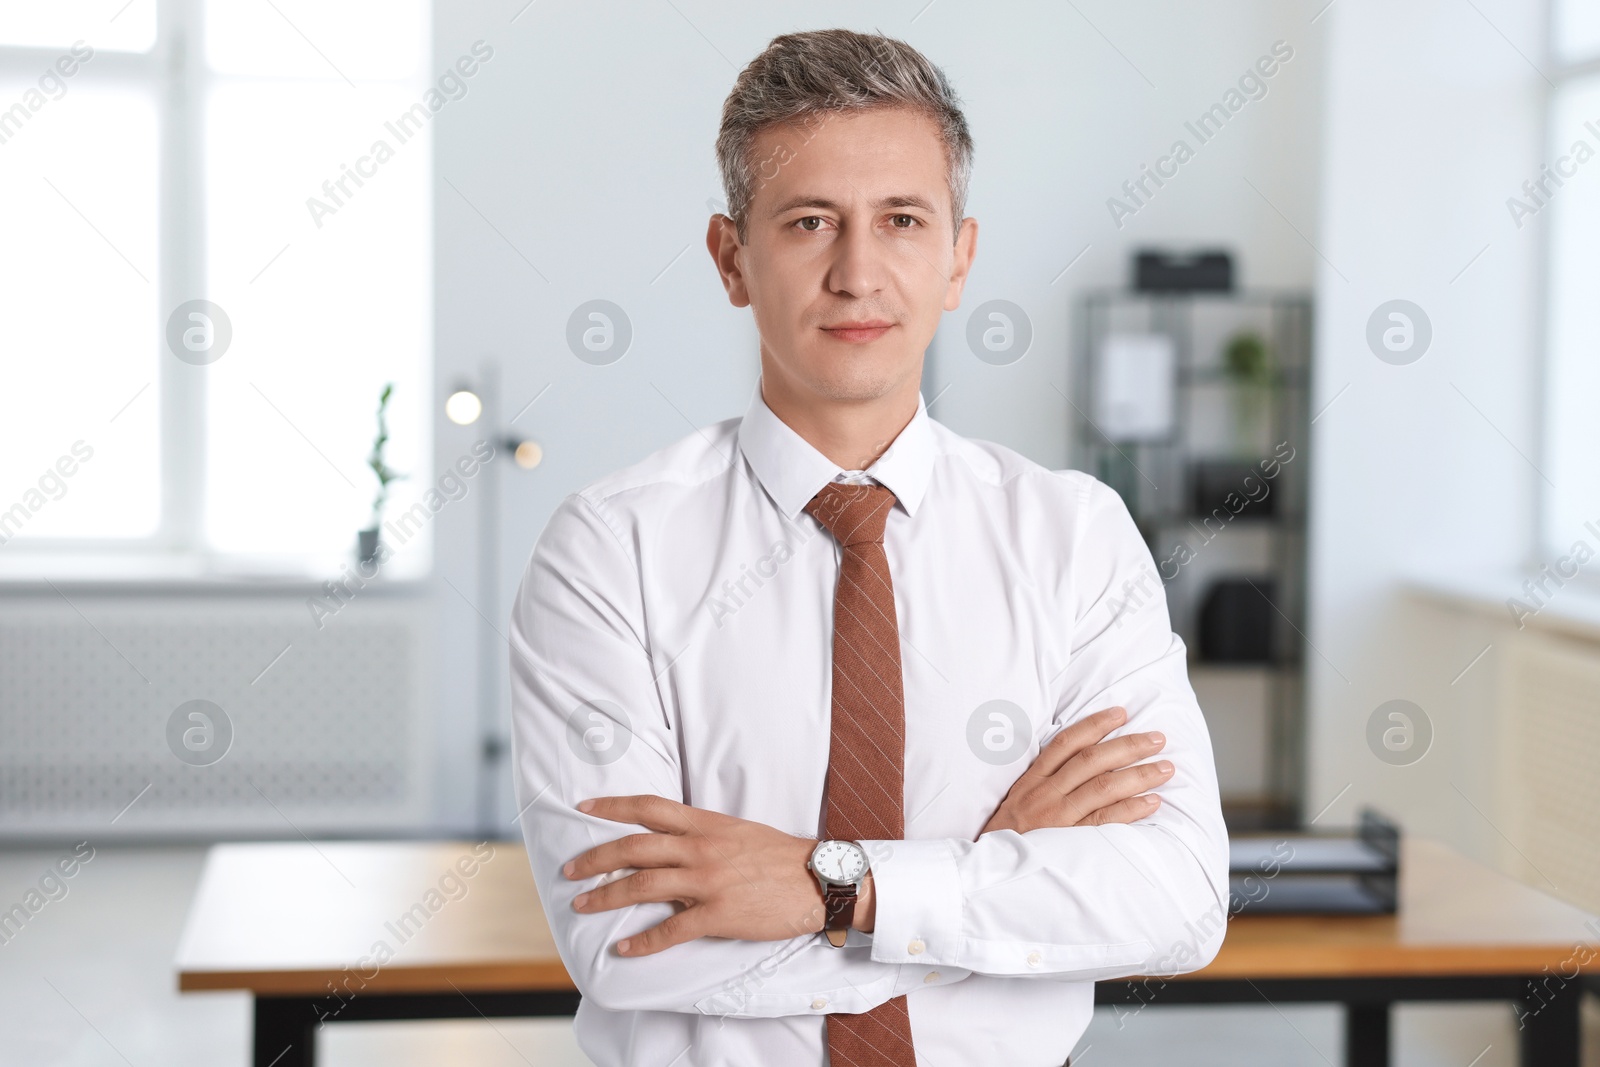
835	732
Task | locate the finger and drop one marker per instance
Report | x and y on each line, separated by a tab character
635	850
1114	786
675	929
1075	738
1124	811
1116	753
653	885
658	813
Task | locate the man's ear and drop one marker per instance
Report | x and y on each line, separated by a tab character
722	241
966	249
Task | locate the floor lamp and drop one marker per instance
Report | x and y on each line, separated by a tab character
469	403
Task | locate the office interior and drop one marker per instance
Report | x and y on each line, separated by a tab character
258	301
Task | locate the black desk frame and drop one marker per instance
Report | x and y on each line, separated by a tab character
286	1026
1550	1034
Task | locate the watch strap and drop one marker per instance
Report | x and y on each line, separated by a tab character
839	905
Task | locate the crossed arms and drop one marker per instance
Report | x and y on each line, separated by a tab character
742	879
1097	864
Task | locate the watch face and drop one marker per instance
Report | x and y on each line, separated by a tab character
839	861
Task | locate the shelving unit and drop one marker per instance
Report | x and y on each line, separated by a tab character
1255	710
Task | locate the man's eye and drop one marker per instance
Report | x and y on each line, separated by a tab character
809	218
911	219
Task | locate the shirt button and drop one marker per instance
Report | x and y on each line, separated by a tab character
916	947
933	976
819	1003
1034	959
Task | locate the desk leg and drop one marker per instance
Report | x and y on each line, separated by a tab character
1366	1035
285	1032
1551	1024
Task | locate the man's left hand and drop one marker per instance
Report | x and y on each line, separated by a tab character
732	877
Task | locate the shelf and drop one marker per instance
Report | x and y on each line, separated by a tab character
1256	813
1165	519
1281	298
1284	378
1289	666
1218	419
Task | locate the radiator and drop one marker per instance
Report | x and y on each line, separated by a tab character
328	724
1549	716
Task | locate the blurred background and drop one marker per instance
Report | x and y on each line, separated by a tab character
274	273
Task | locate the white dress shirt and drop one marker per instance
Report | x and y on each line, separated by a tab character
673	636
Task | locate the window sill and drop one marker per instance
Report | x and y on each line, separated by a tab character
1572	608
22	571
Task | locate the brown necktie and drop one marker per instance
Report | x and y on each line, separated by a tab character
867	745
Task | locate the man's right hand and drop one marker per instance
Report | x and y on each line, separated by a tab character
1079	779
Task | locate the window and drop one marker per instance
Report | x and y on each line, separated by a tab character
211	270
1572	331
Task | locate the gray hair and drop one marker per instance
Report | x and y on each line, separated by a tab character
802	78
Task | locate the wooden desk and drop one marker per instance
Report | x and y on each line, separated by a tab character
360	931
1462	932
299	925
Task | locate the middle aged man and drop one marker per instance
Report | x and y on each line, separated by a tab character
809	705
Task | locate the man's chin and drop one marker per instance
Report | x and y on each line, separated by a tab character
845	389
857	375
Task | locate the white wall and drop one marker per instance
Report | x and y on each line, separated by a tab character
1432	119
585	150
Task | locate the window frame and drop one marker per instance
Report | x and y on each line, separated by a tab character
1559	74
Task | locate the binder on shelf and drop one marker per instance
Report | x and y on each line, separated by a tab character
1236	620
1317	873
1161	271
1225	488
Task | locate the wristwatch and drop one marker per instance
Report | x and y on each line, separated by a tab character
840	867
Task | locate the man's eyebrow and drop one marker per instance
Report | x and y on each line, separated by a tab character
900	200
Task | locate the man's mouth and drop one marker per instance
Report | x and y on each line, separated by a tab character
860	331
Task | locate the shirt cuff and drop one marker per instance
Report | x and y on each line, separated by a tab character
845	980
917	889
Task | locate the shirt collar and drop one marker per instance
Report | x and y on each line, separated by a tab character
792	471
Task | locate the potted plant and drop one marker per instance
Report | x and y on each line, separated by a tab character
368	538
1248	363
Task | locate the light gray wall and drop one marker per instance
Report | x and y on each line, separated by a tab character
1431	121
580	165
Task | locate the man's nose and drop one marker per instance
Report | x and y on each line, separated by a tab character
860	261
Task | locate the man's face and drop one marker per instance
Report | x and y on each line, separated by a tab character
848	259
